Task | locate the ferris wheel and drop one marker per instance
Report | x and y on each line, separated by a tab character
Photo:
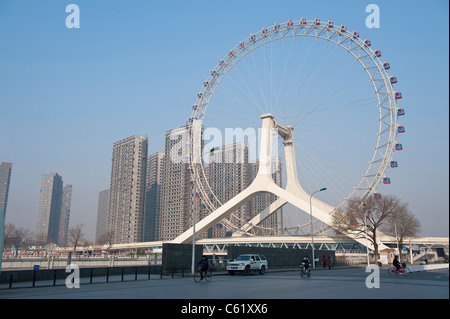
324	81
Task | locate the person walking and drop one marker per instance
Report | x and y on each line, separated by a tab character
329	262
324	261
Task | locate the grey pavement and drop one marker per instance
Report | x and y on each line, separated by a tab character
337	283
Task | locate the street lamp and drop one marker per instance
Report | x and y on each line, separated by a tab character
193	224
312	232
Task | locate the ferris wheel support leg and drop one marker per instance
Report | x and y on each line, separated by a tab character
263	214
222	212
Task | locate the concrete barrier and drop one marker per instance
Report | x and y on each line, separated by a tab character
416	268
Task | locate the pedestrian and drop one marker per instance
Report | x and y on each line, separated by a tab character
329	262
324	261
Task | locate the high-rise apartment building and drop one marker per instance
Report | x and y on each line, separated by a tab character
49	212
153	196
5	180
177	195
228	174
102	217
65	215
127	189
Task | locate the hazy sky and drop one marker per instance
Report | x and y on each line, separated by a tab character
135	67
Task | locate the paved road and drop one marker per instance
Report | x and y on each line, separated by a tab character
345	283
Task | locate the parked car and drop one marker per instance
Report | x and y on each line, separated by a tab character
247	263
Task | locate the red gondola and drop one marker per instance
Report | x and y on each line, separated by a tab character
343	28
367	43
386	180
276	26
400	112
386	65
400	129
330	24
290	23
377	195
213	72
377	53
253	37
205	84
394	164
398	147
194	107
393	79
303	21
241	44
200	95
231	53
316	21
355	34
264	31
228	234
219	225
398	95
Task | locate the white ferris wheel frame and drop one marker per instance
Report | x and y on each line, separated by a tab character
378	76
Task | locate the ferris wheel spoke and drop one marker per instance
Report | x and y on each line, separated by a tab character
247	92
316	67
294	82
237	101
335	175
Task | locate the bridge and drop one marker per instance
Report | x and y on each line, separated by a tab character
338	243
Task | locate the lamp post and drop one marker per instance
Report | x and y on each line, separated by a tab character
312	232
193	224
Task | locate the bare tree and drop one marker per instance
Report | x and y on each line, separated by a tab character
75	236
369	215
17	237
107	239
402	224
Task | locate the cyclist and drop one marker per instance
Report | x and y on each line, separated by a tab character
306	262
396	263
204	266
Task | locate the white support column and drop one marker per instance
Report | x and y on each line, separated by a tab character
263	183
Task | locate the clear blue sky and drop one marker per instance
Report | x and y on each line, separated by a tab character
134	67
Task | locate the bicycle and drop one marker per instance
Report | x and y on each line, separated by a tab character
303	271
200	274
402	271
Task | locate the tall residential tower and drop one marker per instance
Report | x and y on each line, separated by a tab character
127	190
102	217
50	205
153	196
5	180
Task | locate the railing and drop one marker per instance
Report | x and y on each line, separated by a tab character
58	277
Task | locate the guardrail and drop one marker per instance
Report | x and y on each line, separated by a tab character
57	277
